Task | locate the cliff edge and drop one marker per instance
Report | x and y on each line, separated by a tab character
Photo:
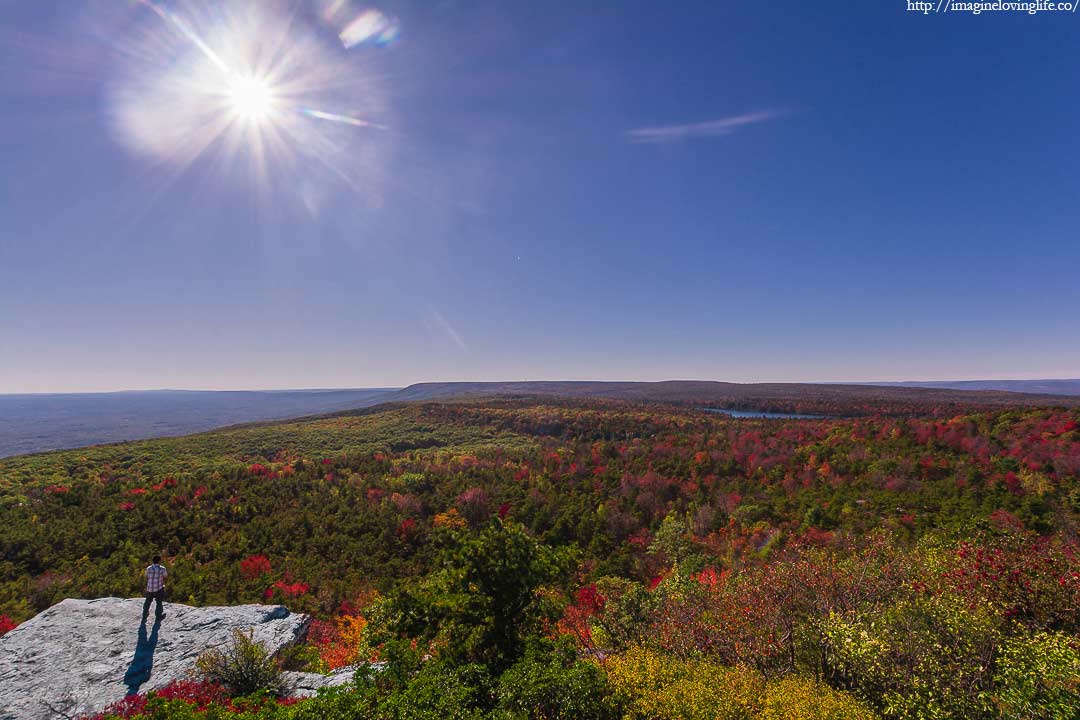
80	655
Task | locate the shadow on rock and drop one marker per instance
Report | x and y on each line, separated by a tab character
278	613
138	671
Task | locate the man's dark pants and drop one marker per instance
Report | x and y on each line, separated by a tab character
157	595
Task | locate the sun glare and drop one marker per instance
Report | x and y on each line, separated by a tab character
250	98
251	81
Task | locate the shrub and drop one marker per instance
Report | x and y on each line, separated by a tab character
132	706
438	690
1039	677
927	657
797	698
199	694
484	601
554	686
655	686
243	667
339	642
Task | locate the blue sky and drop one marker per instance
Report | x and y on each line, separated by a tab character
605	190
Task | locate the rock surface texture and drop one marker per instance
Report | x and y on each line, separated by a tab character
305	684
80	655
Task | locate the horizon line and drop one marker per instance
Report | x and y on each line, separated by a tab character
391	388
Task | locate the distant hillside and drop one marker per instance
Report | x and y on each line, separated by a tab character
1048	387
777	397
34	423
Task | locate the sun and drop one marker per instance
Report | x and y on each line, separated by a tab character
236	78
251	99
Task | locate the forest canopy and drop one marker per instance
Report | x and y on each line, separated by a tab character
652	561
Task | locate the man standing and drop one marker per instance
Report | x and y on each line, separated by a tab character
155	588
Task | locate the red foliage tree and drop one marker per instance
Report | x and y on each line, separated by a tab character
255	566
473	505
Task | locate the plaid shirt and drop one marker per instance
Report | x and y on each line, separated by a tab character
155	578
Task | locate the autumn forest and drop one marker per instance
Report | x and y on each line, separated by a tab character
545	557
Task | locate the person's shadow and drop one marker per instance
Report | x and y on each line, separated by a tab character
138	671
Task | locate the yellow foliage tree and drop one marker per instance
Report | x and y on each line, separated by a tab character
656	686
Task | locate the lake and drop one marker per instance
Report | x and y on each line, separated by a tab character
763	414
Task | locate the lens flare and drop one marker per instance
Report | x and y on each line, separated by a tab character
370	26
245	80
357	25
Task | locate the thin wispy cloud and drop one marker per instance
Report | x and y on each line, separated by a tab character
709	128
443	326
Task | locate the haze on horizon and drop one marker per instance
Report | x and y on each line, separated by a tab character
1023	385
343	194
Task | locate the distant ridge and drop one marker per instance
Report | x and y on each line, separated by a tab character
36	423
801	398
1045	387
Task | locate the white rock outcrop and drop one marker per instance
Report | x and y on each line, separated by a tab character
306	684
80	655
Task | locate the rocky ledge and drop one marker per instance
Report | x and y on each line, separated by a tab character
80	655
